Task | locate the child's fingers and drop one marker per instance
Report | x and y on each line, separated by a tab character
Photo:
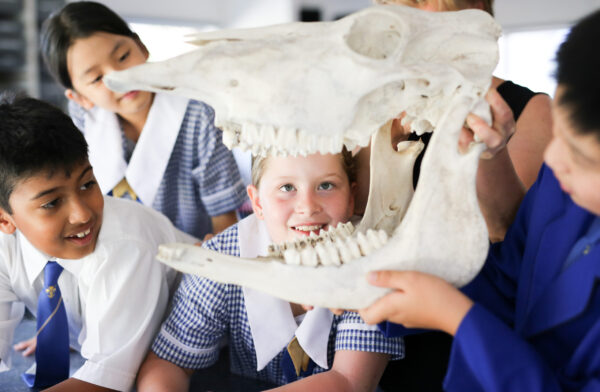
28	351
492	138
495	136
501	112
27	346
383	309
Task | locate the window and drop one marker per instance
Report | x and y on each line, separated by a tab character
528	58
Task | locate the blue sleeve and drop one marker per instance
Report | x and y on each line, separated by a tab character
487	352
495	285
354	335
490	356
191	335
217	175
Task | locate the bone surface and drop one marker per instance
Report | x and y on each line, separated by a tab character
302	88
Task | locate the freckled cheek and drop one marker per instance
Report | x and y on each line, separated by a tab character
337	206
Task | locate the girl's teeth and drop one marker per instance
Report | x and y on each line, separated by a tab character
83	234
308	228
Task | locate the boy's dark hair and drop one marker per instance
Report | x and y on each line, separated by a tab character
74	21
34	137
578	62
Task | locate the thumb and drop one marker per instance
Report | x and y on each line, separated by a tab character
391	279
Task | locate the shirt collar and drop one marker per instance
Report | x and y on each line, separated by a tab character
151	155
270	338
33	260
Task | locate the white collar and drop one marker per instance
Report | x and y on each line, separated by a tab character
35	260
152	151
270	338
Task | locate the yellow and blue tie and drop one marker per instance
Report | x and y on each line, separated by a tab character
52	350
295	362
124	190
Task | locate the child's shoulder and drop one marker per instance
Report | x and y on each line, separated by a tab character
226	242
127	220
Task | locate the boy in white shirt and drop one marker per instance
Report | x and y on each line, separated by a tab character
113	291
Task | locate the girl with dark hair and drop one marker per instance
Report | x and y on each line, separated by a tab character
161	150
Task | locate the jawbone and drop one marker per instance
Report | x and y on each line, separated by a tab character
305	88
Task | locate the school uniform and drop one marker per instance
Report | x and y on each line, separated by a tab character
179	165
257	326
114	297
535	325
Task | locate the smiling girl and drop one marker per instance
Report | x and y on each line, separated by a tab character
291	197
161	150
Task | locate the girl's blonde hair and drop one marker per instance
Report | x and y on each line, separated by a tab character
447	5
259	164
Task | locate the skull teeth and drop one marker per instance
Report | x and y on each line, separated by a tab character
335	246
270	140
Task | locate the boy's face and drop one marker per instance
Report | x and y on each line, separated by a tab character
60	215
575	159
89	59
300	195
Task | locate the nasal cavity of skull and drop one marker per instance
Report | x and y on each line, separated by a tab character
375	36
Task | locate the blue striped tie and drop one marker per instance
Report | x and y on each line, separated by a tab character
52	350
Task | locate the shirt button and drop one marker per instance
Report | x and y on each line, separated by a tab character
587	249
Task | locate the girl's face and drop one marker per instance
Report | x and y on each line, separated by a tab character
89	59
300	195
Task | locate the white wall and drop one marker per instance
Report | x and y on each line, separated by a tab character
526	14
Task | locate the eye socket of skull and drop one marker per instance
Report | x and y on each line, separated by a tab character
375	35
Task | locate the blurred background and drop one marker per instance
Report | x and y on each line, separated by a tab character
532	31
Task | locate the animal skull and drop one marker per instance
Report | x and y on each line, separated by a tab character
302	88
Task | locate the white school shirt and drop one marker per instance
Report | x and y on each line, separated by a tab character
115	297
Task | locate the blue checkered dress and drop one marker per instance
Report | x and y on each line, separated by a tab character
206	313
201	179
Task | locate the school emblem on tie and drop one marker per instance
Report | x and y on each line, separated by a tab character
50	291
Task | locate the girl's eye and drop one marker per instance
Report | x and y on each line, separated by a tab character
286	188
88	185
326	186
124	57
50	205
97	79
